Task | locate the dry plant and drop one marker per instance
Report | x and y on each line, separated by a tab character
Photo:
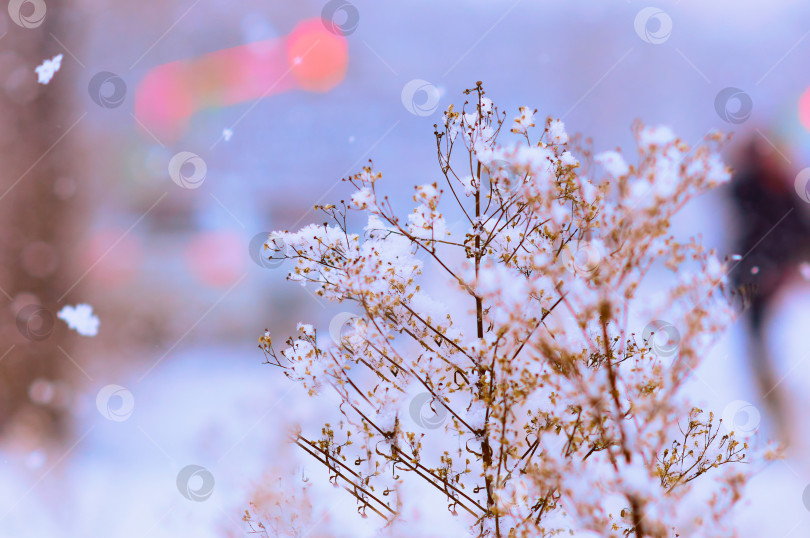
559	416
282	507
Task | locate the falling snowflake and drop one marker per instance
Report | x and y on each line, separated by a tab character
48	69
227	134
80	318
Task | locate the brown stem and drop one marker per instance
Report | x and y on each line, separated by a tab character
635	503
486	449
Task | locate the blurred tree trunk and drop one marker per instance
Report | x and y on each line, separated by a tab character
39	204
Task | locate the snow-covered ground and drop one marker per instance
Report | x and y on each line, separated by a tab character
222	409
217	408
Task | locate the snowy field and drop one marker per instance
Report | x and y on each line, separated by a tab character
222	409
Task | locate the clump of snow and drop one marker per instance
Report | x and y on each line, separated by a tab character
470	185
427	194
533	156
524	120
307	329
363	198
48	69
614	163
660	135
556	130
568	159
80	318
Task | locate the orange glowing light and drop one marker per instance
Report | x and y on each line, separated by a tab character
309	58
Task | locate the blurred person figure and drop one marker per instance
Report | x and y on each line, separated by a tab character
772	239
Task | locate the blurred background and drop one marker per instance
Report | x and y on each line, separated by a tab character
175	133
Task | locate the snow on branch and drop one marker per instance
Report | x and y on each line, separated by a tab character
537	406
